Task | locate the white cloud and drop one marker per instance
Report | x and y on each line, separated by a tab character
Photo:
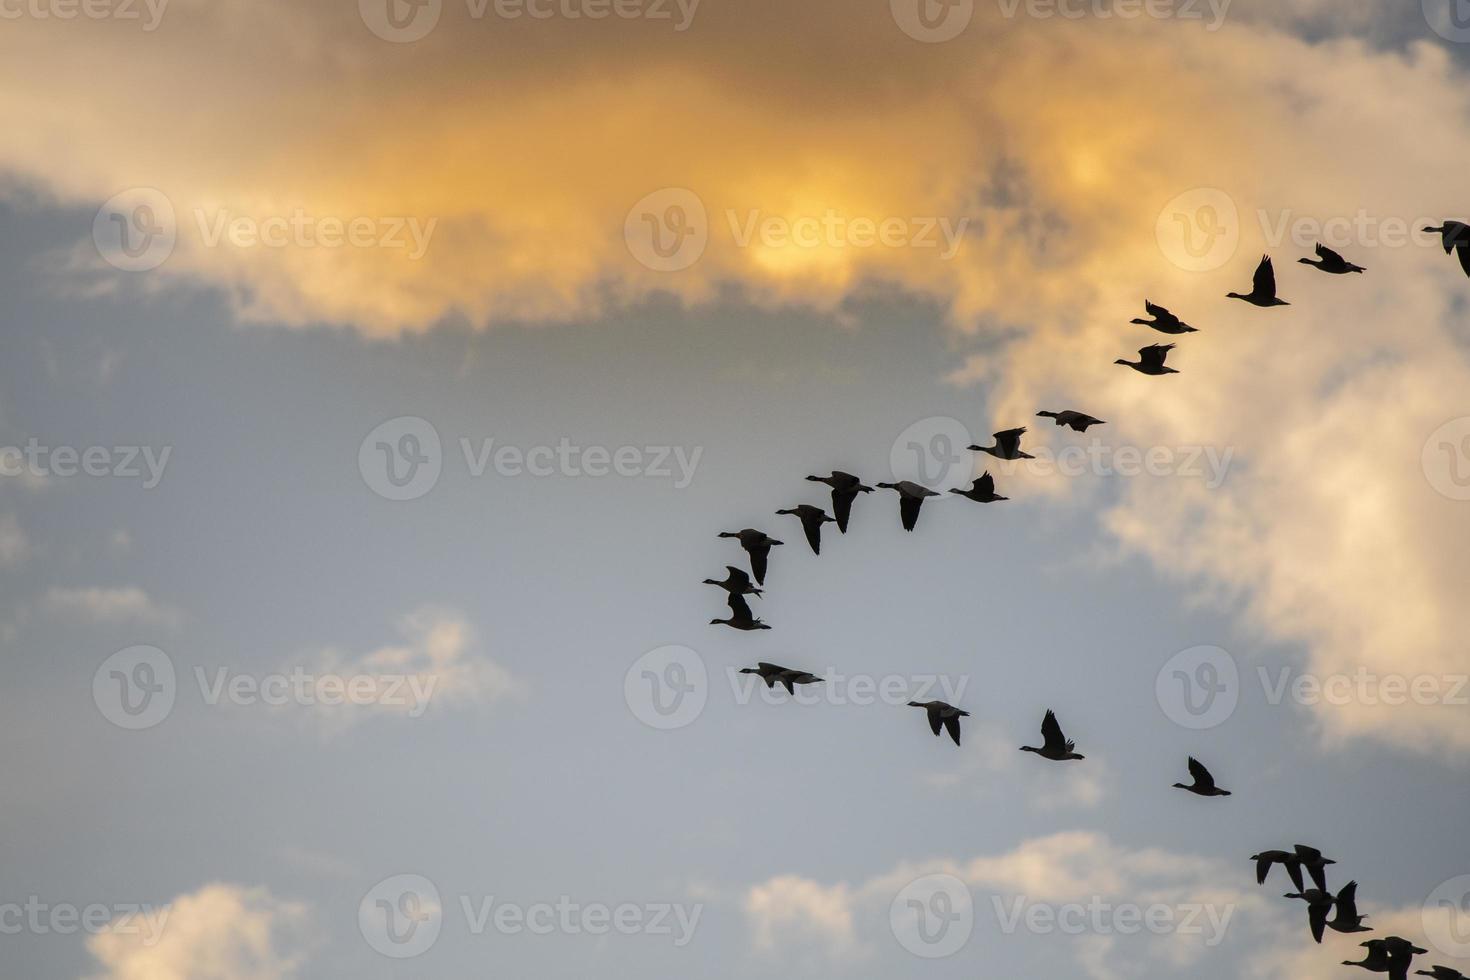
15	545
128	604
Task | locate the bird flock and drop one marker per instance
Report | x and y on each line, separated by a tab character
1325	910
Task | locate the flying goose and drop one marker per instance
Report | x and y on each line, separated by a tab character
812	519
1076	421
1263	287
1055	746
1204	783
1347	918
1393	956
1315	863
1441	973
737	581
1319	903
845	488
771	673
910	499
1163	321
1456	238
1151	360
1330	261
944	714
1007	445
758	545
982	491
740	617
1286	859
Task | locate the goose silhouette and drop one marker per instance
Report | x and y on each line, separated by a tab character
1347	918
1076	421
1204	783
1163	321
740	617
1330	261
737	580
1455	236
788	678
845	488
1263	287
758	545
1319	903
812	519
910	499
1287	859
982	491
1007	445
1151	360
1055	746
942	714
1315	863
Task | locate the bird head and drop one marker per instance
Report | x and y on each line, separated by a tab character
1118	361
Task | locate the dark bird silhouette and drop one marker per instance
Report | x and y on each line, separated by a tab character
1007	445
1151	360
1055	746
1456	238
845	488
1286	859
737	581
740	617
1319	903
758	545
1204	783
982	491
1376	960
1163	321
910	499
1393	955
1076	421
943	714
812	519
1441	973
1330	261
771	673
1263	288
1347	918
1315	863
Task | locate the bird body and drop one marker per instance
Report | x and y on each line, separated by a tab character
982	491
1204	783
812	519
737	580
910	498
1330	261
1163	321
942	714
1263	287
1076	421
1455	237
758	545
1151	360
1441	973
1055	746
772	673
1287	859
1007	445
1393	955
845	488
1347	918
740	615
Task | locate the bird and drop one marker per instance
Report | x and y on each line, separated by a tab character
1286	859
1347	918
1441	973
1263	287
737	581
1163	321
1007	445
1392	955
982	491
1151	360
1319	903
845	488
758	545
1056	746
1330	261
1076	421
1315	863
1204	783
771	673
1376	960
1456	238
740	617
910	498
944	714
812	519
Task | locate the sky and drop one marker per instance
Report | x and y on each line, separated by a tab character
380	375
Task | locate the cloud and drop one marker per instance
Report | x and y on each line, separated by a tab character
15	545
220	932
128	604
790	907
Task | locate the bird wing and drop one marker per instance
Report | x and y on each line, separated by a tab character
811	523
1155	310
934	720
738	577
1051	731
1347	901
758	555
1464	252
952	725
985	486
1265	279
1263	868
1202	777
908	509
1329	256
772	668
1294	869
739	608
1154	354
785	679
1009	441
1317	915
1307	853
842	507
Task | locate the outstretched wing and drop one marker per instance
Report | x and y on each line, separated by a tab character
935	722
952	725
908	509
1202	777
842	507
758	554
1263	868
1329	256
1051	731
1317	915
1154	354
811	523
739	608
1155	310
985	486
1464	252
738	577
1347	901
1009	441
1265	281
